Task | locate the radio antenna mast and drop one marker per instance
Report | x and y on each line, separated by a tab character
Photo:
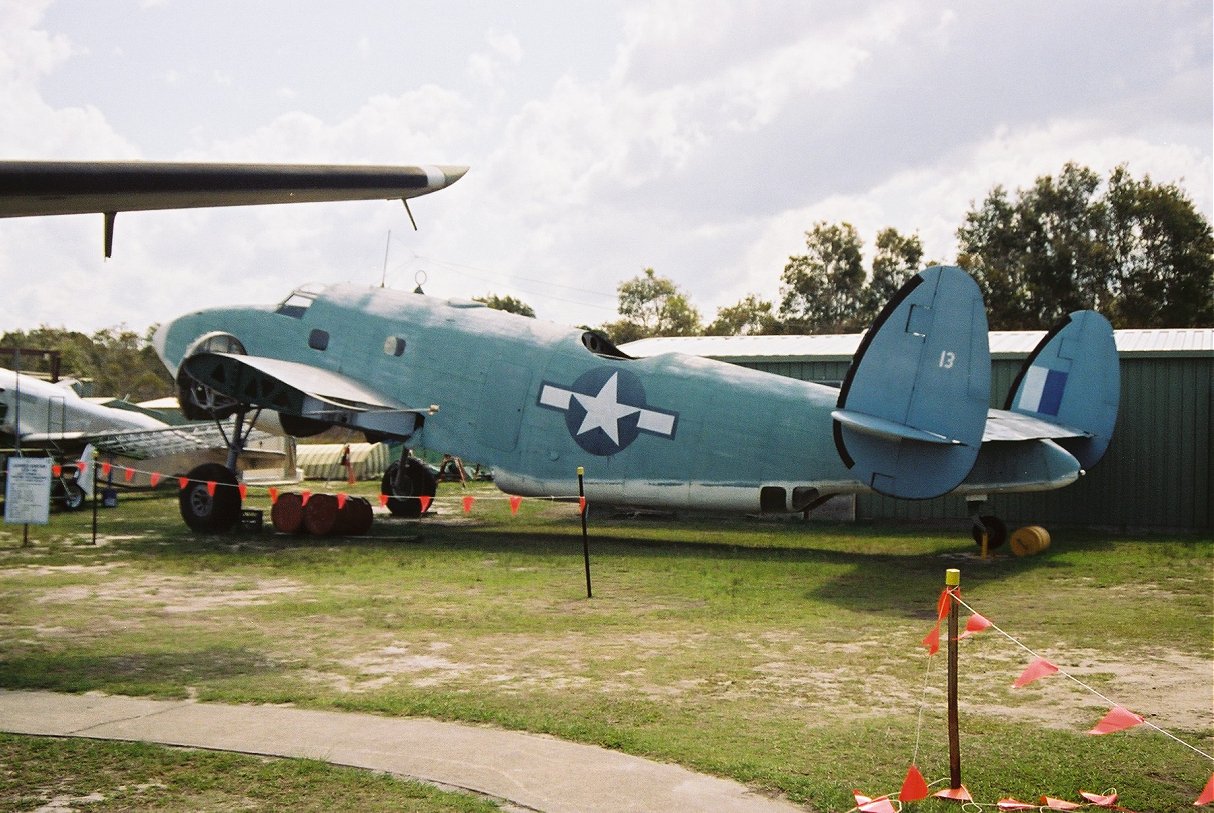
383	277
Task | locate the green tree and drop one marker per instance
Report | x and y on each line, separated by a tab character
652	306
750	316
898	258
116	361
1136	251
506	303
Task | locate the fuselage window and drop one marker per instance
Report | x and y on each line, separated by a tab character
394	346
220	343
318	340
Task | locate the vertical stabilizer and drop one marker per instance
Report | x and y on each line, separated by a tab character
913	407
1073	379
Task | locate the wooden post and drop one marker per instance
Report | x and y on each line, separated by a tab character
952	581
581	490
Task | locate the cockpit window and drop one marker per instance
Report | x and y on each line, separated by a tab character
297	304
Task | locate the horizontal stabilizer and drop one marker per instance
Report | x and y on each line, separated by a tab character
912	409
1072	382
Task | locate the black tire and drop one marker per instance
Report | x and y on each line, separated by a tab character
419	481
996	531
73	497
206	513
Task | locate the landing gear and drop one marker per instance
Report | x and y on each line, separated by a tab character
210	502
404	482
993	527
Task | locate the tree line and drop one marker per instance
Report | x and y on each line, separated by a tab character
1137	251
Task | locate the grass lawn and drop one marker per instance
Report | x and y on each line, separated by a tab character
782	654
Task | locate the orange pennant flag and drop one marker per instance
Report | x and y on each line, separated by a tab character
244	491
976	623
383	500
1207	795
1059	804
425	501
1100	800
1013	804
468	504
273	495
957	794
154	479
881	804
341	501
304	496
515	502
1035	670
56	469
942	603
211	484
105	468
914	787
581	505
128	474
1118	719
82	466
932	640
182	482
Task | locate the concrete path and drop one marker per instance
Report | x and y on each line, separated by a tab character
529	771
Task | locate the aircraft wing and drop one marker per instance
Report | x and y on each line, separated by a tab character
295	389
138	444
1004	425
33	188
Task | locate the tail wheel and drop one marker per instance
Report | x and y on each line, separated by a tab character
208	508
996	531
403	497
73	496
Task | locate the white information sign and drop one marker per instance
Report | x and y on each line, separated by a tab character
27	491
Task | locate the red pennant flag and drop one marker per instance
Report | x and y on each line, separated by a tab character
581	505
1207	795
881	804
211	484
105	468
942	604
425	501
932	640
341	501
182	482
303	497
1012	804
976	623
515	502
1100	800
468	504
1037	669
244	491
1059	804
914	787
56	469
383	500
154	479
957	794
1118	719
128	474
273	495
82	466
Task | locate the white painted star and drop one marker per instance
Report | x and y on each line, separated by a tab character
603	411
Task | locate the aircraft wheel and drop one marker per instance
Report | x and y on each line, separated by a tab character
996	531
418	481
73	497
206	513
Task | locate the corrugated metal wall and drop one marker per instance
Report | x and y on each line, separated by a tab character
1158	472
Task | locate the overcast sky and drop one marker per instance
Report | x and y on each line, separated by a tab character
699	138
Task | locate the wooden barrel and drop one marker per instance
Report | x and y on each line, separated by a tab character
355	517
320	514
1029	540
287	514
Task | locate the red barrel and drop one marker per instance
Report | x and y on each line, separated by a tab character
355	517
320	514
287	513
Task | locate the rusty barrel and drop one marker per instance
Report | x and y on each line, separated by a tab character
320	514
287	513
355	517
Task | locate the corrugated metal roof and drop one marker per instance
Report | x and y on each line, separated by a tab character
1184	341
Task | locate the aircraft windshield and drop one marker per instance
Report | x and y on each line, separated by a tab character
297	304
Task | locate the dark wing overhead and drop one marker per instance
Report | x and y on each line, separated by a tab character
32	188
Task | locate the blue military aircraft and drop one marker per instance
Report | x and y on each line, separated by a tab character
536	401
